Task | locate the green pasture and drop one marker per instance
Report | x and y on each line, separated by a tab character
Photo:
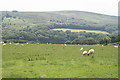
58	61
80	30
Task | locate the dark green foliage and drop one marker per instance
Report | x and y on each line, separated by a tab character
104	40
88	41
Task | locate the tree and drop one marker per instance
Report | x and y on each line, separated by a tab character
75	41
104	40
89	41
114	38
68	42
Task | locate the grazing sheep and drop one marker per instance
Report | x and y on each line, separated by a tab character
116	46
91	51
37	43
65	45
16	43
10	43
81	49
1	42
84	53
4	44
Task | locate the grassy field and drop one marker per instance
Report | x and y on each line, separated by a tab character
79	30
57	61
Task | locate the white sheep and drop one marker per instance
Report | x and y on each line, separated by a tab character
16	43
116	46
4	44
10	43
65	45
81	49
84	53
91	51
1	42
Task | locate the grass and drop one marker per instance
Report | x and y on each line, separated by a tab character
57	61
79	30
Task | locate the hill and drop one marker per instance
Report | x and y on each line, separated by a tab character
38	26
69	19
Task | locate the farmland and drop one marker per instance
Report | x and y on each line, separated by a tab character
58	61
79	30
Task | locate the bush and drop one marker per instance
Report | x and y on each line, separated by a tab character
67	42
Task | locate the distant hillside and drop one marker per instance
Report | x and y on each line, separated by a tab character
42	27
69	19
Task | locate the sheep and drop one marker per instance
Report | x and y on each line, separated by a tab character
81	49
16	43
4	44
91	51
65	45
1	42
84	53
116	46
37	43
10	43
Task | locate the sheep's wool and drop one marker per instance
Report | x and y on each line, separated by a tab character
84	52
91	51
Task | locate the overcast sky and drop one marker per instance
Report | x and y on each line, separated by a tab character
109	7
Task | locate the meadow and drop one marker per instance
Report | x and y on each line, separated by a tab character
79	30
58	61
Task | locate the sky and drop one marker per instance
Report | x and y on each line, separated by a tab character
108	7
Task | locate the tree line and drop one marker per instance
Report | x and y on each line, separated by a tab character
46	35
92	41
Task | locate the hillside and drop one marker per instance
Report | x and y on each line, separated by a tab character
38	26
69	19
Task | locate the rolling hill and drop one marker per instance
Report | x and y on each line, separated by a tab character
69	19
38	26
